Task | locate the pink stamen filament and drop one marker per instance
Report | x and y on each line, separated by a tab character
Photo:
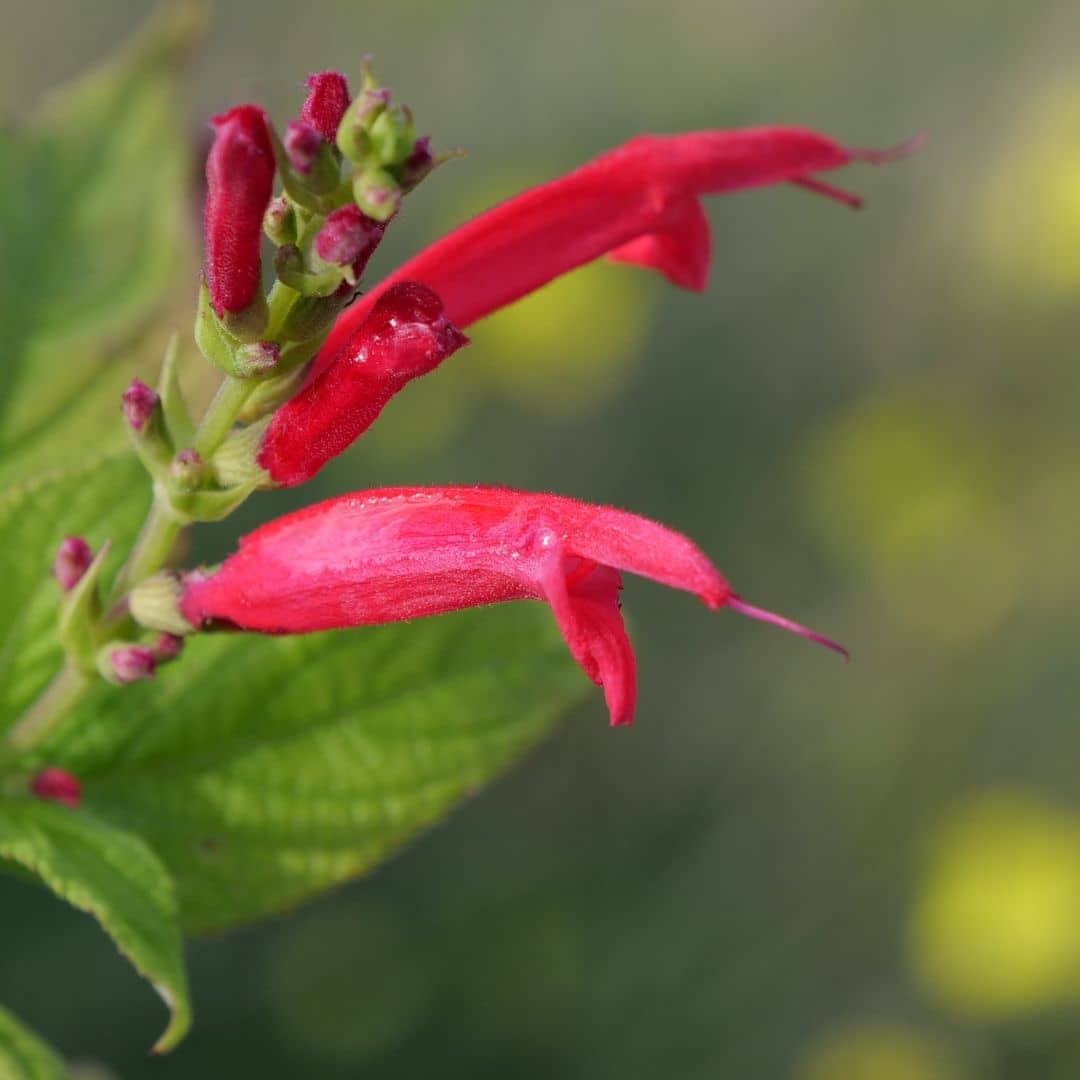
829	191
743	608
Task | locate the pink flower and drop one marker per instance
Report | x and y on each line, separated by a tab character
639	203
403	553
327	100
240	180
405	335
56	785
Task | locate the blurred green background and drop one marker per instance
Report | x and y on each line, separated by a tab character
787	868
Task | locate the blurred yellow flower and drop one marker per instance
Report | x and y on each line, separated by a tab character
906	491
1028	217
995	929
877	1052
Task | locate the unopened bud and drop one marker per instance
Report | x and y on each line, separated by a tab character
240	180
302	143
73	559
418	164
348	238
327	100
139	405
129	663
188	470
258	358
392	136
377	193
353	137
155	604
167	647
279	222
56	785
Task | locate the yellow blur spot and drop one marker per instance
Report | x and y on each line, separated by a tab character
877	1052
906	492
996	927
1028	217
568	346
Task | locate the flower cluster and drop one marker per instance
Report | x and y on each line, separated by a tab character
311	365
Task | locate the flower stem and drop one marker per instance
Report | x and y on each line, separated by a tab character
54	703
149	554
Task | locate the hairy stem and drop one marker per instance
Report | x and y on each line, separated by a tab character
149	554
54	703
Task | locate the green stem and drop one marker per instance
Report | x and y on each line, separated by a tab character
221	415
150	552
64	692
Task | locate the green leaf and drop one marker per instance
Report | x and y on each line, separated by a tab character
102	499
23	1056
266	770
93	209
114	876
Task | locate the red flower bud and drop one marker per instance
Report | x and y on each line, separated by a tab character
639	203
405	335
404	553
140	401
132	663
302	144
56	785
327	100
167	647
240	181
349	238
418	164
73	559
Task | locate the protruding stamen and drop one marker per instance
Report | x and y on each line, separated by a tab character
892	153
829	191
743	608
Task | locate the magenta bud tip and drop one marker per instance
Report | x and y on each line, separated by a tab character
132	663
139	404
73	559
56	785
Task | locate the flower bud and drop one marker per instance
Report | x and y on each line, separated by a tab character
167	647
392	136
257	359
352	135
188	470
73	559
140	402
302	144
418	164
377	193
279	222
56	785
348	238
128	664
240	179
155	604
327	100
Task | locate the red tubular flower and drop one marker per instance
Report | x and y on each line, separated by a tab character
56	785
402	553
405	335
639	203
328	98
240	181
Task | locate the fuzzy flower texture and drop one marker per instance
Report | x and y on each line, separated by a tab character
387	555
